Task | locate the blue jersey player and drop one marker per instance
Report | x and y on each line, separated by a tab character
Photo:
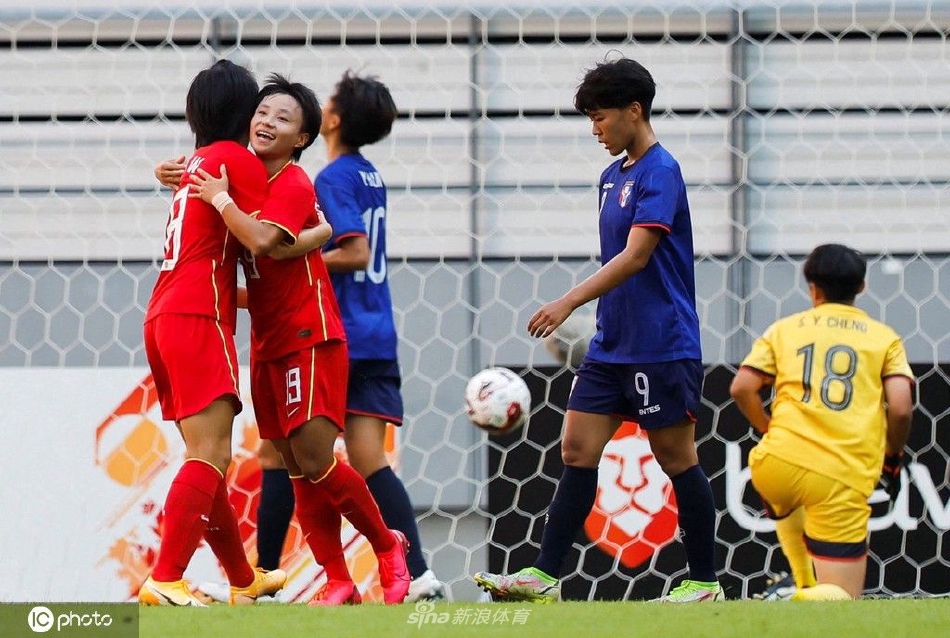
644	363
352	195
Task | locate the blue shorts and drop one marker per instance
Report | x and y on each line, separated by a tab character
654	395
374	389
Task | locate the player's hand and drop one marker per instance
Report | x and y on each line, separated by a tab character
206	186
169	172
891	474
549	317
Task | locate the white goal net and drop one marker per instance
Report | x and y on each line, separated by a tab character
796	123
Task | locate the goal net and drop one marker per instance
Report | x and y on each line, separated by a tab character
796	123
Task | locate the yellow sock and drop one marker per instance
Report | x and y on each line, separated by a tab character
791	535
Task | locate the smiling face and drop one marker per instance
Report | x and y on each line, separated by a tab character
276	127
616	129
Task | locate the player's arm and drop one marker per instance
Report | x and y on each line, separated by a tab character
746	391
169	172
241	297
641	241
350	251
256	236
309	239
351	254
899	396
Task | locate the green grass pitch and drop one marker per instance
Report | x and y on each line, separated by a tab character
926	618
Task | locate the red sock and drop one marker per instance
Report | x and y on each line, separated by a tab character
225	541
348	491
187	510
320	521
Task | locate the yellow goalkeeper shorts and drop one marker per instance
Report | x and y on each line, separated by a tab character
835	514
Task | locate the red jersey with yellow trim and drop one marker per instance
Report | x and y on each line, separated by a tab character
199	272
291	301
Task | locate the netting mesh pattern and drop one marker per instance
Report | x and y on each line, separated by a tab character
795	124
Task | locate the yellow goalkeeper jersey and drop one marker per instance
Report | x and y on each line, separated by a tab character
828	365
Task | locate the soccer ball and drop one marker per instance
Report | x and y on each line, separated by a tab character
570	340
497	400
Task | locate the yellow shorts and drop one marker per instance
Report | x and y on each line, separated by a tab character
836	516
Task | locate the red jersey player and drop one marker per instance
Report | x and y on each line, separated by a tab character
189	342
299	361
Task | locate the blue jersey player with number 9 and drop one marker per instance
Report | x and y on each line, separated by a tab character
644	363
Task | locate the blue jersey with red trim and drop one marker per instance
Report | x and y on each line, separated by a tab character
651	316
352	195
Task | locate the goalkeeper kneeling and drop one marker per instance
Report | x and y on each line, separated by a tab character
839	421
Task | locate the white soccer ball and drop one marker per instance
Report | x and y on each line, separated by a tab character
497	400
569	341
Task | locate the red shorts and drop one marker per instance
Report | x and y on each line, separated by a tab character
193	361
298	387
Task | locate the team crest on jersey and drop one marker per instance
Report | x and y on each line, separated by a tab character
625	191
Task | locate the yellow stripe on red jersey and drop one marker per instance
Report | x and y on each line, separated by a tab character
291	301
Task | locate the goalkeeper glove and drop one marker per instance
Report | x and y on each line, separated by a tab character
891	474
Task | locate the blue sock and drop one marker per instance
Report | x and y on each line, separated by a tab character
274	510
697	521
569	508
393	500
